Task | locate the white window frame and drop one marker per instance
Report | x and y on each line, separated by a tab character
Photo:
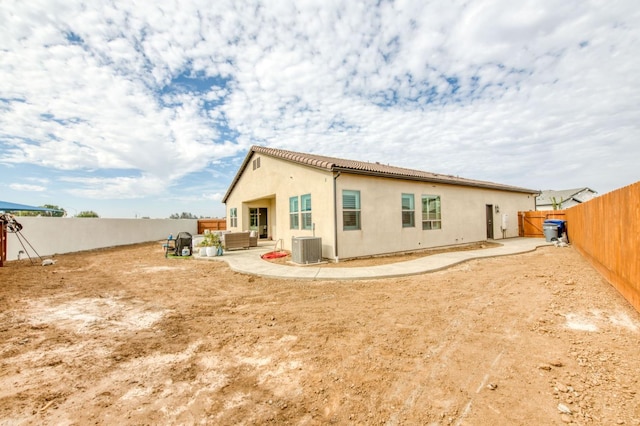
431	220
408	210
306	220
351	210
294	215
233	217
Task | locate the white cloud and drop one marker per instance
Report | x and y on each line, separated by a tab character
121	187
27	187
535	93
213	197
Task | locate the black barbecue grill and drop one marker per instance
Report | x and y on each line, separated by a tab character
183	240
175	246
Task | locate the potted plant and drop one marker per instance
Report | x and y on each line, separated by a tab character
202	250
211	242
219	246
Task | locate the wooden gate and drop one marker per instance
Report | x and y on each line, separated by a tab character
212	225
530	223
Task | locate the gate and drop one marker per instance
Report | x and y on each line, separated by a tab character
212	225
530	223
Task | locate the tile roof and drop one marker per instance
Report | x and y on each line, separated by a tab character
368	168
577	194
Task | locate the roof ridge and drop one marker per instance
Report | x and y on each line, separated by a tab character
377	168
335	164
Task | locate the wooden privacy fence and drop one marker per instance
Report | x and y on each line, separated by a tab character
3	243
606	231
530	223
212	225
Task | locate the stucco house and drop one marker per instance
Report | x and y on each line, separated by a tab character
362	209
563	199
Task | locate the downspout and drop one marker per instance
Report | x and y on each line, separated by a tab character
335	218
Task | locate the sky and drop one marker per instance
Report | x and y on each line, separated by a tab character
144	109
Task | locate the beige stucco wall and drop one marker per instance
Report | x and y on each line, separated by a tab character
271	185
463	209
463	215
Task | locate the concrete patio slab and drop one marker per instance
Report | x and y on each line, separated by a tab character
250	262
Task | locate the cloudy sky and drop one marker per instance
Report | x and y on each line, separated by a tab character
148	108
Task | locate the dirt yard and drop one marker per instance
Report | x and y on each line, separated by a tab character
125	336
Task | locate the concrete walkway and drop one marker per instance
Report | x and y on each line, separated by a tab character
250	262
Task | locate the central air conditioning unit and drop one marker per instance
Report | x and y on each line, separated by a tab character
306	250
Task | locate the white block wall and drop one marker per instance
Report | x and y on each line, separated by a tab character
52	235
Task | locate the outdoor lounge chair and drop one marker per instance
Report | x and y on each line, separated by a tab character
236	240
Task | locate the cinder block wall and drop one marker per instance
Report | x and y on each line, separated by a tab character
51	235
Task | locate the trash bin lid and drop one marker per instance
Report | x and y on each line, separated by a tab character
559	222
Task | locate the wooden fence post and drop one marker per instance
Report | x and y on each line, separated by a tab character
3	243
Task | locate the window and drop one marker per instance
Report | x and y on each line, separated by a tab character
233	217
431	216
305	207
256	163
408	211
350	210
300	212
253	219
294	218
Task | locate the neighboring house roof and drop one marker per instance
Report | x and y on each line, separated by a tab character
367	168
578	195
6	206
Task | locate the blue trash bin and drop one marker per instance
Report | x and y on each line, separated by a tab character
560	224
550	231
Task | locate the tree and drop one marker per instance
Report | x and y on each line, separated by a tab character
87	213
27	213
184	215
556	205
59	213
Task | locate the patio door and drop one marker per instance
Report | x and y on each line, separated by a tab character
258	221
262	223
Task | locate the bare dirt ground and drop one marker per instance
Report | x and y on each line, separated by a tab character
125	336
